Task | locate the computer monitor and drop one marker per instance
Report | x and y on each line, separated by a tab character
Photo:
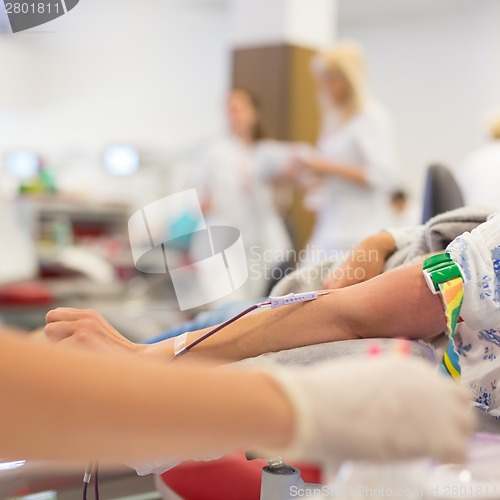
22	163
121	159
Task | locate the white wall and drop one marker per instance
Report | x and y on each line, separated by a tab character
262	22
152	73
438	72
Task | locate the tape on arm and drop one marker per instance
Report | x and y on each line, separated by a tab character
180	343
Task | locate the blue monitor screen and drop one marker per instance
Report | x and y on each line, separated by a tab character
22	163
121	159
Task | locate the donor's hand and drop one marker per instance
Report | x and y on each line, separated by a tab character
86	329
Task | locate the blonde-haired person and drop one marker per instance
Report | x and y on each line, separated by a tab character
354	161
479	175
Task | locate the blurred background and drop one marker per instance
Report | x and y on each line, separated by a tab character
157	78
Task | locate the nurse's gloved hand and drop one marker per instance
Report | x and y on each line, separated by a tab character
376	409
478	255
161	466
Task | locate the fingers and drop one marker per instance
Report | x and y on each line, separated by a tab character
78	330
450	446
60	330
65	322
464	416
69	314
454	424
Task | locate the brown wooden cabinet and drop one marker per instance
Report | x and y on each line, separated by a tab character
280	75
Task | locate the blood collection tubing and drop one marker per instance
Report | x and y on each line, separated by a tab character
180	347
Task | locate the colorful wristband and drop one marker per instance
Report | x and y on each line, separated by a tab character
444	277
450	364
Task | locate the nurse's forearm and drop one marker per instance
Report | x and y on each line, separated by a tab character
355	175
351	174
63	404
397	303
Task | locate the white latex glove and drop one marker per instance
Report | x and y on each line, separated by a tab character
161	466
157	467
382	409
478	255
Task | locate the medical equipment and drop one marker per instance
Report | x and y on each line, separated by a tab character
92	470
180	347
281	481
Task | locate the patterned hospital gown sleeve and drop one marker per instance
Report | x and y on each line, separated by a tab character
477	340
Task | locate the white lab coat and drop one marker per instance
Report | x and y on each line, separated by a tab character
229	182
348	212
479	176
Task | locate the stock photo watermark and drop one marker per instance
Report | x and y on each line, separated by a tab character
217	264
317	265
355	492
22	15
360	491
207	263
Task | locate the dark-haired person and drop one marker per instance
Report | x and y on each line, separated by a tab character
234	193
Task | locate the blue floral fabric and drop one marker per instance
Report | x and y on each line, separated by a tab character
477	339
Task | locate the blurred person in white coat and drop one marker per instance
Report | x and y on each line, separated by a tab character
236	192
479	175
354	162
